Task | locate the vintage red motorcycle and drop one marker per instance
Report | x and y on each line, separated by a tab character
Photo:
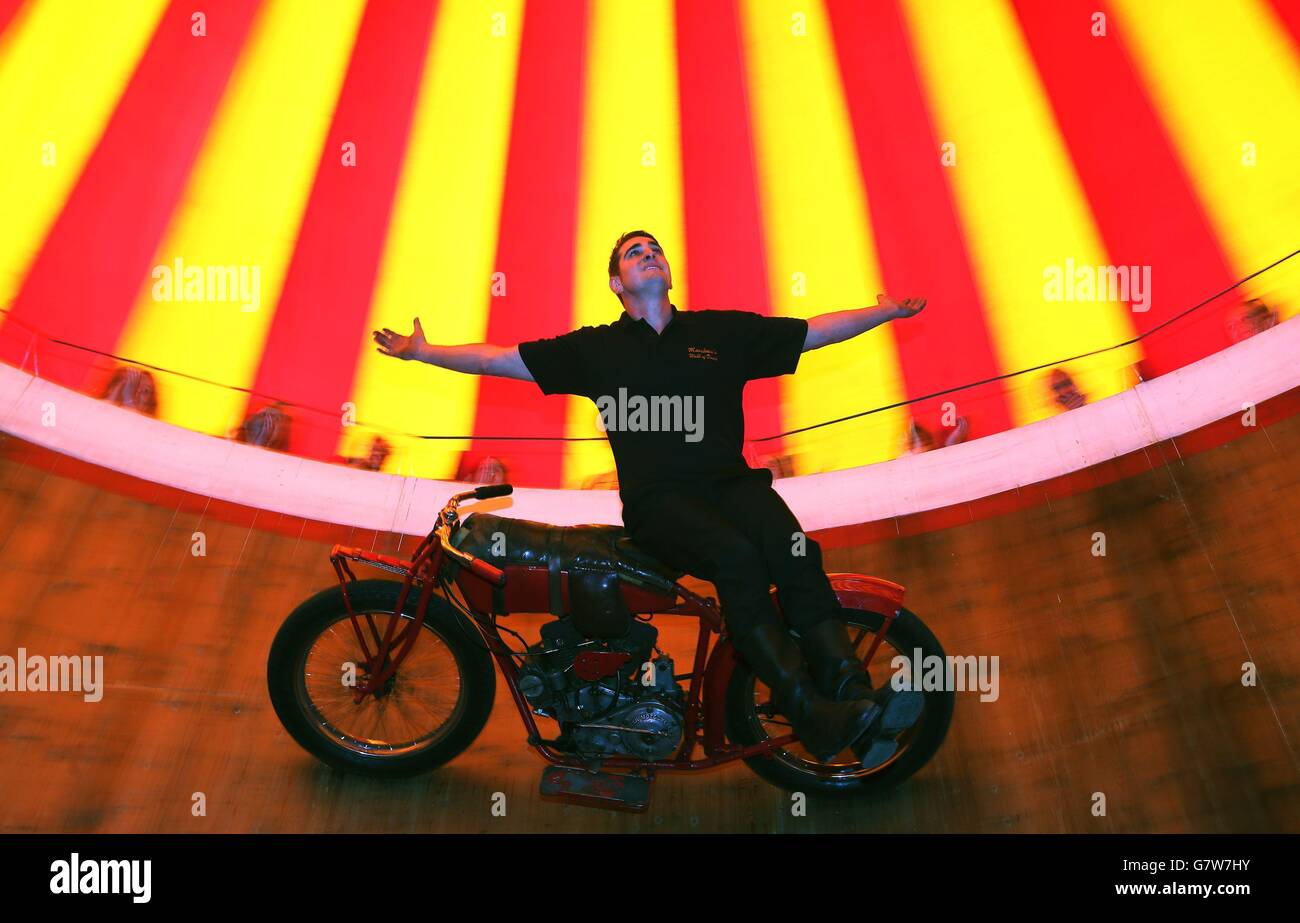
395	677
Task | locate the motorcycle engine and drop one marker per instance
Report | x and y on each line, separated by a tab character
609	696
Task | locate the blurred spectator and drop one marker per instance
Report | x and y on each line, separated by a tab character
485	470
920	440
1064	391
606	481
490	471
958	433
133	388
781	466
268	427
1253	317
375	458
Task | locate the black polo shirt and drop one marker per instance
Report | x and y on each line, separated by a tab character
702	358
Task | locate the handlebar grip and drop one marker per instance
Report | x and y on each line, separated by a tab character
492	575
493	490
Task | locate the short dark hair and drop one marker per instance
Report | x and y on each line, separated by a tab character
613	254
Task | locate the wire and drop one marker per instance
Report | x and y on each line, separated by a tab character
1045	365
394	432
474	638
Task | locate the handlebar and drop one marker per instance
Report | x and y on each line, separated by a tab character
493	575
486	571
488	491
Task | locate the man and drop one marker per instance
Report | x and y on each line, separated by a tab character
669	387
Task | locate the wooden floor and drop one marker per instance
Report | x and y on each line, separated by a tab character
1120	676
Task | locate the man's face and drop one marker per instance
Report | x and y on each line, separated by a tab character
642	269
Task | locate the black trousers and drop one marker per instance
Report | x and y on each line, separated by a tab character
741	536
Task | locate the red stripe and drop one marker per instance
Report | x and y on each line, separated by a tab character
536	238
8	12
319	326
1140	195
87	276
723	216
1289	12
919	239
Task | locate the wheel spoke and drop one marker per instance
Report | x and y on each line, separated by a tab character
410	714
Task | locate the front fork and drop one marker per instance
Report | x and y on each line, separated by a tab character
889	618
382	662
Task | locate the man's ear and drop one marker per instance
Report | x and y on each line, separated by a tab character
616	285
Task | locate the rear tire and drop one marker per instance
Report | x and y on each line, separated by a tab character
794	769
435	706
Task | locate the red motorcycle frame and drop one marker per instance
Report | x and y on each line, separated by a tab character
525	589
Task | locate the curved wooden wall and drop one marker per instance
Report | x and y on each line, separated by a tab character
1119	675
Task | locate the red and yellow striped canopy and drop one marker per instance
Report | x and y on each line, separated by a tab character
472	162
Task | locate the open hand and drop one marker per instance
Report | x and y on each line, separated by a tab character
403	347
908	307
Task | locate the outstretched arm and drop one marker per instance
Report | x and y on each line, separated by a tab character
825	329
471	358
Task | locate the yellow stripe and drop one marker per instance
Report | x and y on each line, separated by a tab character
64	66
1226	80
242	208
631	177
820	250
1021	205
438	259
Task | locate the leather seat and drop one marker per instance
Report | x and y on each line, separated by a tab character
589	548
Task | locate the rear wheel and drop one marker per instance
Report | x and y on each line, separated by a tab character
432	708
750	717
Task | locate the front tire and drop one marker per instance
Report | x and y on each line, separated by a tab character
431	710
750	721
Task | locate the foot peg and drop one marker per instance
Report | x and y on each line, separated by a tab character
596	789
902	708
874	751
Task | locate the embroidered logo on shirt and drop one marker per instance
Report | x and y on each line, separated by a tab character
701	352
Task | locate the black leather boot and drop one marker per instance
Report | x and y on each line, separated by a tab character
826	728
838	671
833	662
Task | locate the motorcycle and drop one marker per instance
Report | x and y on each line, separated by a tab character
394	677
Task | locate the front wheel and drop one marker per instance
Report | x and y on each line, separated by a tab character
750	717
432	708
